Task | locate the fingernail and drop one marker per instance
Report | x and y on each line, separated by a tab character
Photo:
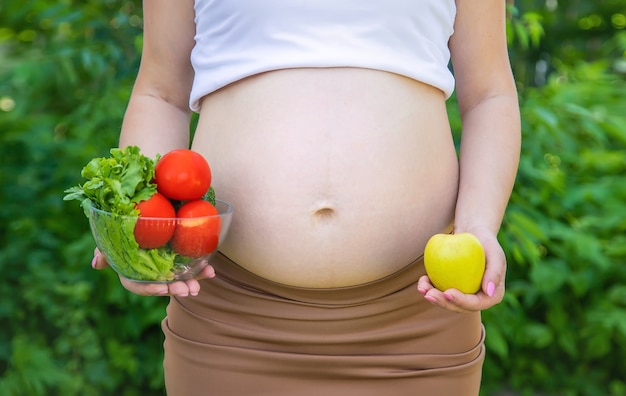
448	297
491	289
430	298
94	261
163	292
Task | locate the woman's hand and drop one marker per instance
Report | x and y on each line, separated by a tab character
178	289
492	289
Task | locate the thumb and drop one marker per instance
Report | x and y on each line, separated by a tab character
495	269
99	261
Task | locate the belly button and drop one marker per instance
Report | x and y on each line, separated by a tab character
324	213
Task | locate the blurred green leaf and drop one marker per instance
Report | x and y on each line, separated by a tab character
65	77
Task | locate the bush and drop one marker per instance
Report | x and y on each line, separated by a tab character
66	72
65	328
562	327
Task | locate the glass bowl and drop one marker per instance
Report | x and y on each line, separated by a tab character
194	241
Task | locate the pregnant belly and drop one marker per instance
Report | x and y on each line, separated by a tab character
338	176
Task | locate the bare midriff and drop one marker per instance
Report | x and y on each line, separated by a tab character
338	176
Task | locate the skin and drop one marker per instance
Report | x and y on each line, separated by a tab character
489	148
489	111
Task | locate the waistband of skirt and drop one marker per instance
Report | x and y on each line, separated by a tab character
229	271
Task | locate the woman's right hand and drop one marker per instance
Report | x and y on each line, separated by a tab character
178	289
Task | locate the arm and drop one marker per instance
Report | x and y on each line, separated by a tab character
157	118
490	143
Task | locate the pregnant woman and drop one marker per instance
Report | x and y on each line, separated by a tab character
325	126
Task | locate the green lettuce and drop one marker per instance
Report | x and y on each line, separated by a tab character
113	187
114	234
117	183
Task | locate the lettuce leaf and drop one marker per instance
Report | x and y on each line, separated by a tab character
117	183
114	235
113	187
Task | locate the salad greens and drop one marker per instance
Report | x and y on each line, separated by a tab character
114	186
114	234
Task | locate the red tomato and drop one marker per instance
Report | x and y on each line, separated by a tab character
150	233
183	175
195	234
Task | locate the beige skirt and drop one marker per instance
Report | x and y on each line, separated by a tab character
245	335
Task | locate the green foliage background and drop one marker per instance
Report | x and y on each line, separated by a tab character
66	70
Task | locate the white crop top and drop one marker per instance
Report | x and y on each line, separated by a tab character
239	38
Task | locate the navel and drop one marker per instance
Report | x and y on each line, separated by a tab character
324	213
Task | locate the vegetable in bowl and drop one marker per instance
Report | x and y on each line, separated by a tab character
116	184
137	228
114	236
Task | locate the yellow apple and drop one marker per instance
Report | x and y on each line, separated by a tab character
455	261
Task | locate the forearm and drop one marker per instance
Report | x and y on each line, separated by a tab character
154	125
489	158
157	118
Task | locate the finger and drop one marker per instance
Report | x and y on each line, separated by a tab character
456	301
493	275
442	300
493	283
99	260
178	289
193	286
424	285
460	302
206	273
181	289
495	272
495	263
436	296
145	289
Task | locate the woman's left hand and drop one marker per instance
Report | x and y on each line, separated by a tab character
492	289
